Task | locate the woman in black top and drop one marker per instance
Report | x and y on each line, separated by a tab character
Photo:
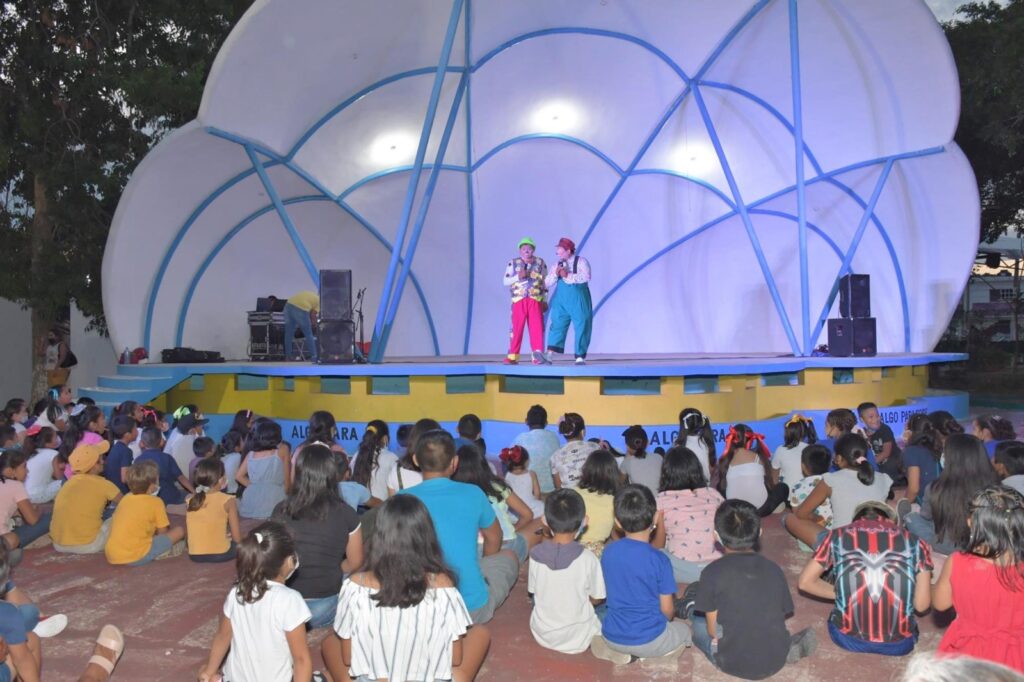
326	532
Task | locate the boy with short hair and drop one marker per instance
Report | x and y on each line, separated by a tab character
78	526
1009	464
815	461
640	587
460	512
169	471
745	601
125	431
565	579
202	448
140	530
883	442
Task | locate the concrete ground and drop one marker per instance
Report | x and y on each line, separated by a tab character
168	612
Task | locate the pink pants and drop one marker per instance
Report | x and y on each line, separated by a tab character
526	312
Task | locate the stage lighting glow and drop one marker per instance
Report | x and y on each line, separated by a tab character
556	117
693	159
393	148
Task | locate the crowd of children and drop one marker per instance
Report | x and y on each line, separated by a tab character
405	554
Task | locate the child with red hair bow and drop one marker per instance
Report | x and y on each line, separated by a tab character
520	479
744	472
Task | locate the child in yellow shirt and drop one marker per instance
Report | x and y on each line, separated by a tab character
140	531
78	525
212	515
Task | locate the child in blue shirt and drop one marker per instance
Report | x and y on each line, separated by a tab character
170	474
354	494
640	587
119	459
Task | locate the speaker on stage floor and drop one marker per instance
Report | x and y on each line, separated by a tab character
335	339
852	337
335	294
855	296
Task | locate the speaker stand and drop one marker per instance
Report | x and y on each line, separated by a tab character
357	349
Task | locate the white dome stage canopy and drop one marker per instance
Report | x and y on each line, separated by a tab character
721	163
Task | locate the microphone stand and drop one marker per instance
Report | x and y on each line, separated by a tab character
358	354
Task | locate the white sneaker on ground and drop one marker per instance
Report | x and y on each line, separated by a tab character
51	626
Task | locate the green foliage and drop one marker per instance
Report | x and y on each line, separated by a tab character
86	89
988	43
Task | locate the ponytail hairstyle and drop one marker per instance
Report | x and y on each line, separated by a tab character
853	448
229	442
208	475
997	533
693	422
945	423
636	440
77	428
799	429
261	557
37	441
843	419
571	426
125	409
151	418
13	407
11	459
924	434
374	438
403	553
322	428
998	427
515	457
742	437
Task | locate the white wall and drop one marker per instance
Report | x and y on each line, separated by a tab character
95	354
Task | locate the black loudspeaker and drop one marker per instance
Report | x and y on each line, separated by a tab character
855	296
848	337
335	341
335	294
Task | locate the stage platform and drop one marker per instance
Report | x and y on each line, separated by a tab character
610	391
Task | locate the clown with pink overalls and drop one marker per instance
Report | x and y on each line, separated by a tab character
525	275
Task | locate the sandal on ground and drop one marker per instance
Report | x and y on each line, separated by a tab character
111	638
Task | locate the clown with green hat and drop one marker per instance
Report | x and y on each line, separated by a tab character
524	276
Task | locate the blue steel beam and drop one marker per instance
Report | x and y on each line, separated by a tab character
282	213
801	197
854	243
708	63
421	217
748	224
470	203
376	349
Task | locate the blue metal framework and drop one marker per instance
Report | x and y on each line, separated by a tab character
400	265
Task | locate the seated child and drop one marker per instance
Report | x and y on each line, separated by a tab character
124	432
14	502
742	601
45	473
22	644
798	433
599	481
883	574
1009	464
883	442
354	494
640	587
520	479
687	506
814	463
565	579
460	512
212	518
203	447
169	473
416	615
229	451
263	622
78	525
984	582
140	530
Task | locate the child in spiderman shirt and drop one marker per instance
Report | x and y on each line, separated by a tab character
883	575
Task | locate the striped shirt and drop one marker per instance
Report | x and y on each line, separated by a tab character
390	643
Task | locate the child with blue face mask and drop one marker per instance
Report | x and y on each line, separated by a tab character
565	579
140	530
